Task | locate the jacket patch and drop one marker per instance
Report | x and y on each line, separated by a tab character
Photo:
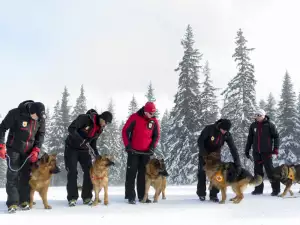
212	138
25	123
87	128
150	124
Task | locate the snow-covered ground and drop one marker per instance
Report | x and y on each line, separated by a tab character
181	207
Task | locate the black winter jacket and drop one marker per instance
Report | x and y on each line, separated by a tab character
211	140
81	131
263	137
24	132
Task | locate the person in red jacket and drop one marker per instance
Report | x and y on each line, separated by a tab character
140	134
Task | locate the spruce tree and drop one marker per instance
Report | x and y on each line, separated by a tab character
123	155
151	97
288	151
271	110
262	104
133	106
209	102
185	122
80	107
165	126
45	146
240	98
298	126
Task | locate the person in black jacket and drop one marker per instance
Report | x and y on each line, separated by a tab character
212	139
26	125
85	129
264	139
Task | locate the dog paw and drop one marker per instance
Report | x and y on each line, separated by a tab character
155	201
164	198
281	196
222	202
48	207
95	203
105	202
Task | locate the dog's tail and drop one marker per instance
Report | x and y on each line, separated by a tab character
256	180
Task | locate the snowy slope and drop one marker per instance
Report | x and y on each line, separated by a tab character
181	207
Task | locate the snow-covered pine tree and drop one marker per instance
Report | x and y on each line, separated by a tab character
165	126
80	107
109	143
271	110
209	102
240	99
185	122
123	156
45	147
133	106
298	127
151	98
287	123
262	104
55	143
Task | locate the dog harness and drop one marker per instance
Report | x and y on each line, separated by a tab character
218	177
96	178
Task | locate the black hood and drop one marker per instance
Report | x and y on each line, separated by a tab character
24	107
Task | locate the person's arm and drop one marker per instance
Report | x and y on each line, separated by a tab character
249	141
203	136
77	124
275	136
127	130
6	124
40	135
155	135
233	149
94	146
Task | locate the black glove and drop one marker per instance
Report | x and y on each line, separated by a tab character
247	154
128	148
238	170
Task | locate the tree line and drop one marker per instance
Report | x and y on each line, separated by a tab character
195	106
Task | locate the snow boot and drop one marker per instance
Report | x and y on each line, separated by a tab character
147	200
256	192
25	206
202	198
214	199
72	203
12	209
87	201
131	201
275	193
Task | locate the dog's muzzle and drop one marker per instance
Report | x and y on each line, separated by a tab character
56	170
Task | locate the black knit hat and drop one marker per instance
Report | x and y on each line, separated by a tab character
39	109
225	124
106	116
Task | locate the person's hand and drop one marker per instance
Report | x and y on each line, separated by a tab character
275	152
2	151
128	148
34	154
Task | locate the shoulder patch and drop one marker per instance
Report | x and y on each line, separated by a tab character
212	138
25	123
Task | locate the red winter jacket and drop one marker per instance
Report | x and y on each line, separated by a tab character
141	132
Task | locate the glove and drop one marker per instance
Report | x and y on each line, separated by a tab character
84	142
2	151
34	154
247	154
275	152
128	148
238	170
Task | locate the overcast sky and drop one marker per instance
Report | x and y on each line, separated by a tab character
114	48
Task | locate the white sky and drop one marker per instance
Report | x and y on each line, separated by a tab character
114	48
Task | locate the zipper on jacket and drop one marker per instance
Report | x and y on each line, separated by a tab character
30	133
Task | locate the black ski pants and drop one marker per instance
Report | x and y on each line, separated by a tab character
17	182
201	185
265	160
136	166
72	157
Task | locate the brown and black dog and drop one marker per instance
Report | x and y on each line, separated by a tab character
99	177
287	175
41	176
224	174
155	176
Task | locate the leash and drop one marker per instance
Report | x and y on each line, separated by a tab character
16	170
91	150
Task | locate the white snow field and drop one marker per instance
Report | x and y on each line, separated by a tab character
181	207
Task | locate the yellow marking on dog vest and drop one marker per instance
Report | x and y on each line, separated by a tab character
291	174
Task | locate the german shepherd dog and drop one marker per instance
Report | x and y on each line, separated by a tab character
287	175
156	176
99	177
224	174
41	176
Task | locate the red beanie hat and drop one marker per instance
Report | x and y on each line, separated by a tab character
149	107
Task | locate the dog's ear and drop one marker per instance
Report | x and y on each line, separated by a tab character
45	158
98	157
110	163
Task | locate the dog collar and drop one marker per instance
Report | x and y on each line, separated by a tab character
96	178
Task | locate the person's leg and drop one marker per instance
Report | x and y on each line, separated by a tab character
143	160
71	160
85	161
24	186
275	184
131	170
13	163
201	185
